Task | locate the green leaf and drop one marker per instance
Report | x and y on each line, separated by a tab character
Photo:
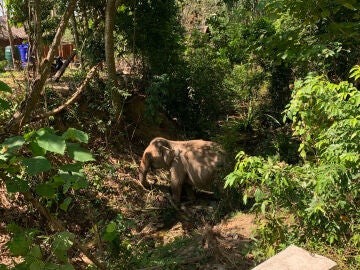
263	206
65	205
44	130
78	153
52	143
13	144
16	185
62	242
349	6
35	252
75	134
3	267
74	167
5	88
81	183
19	245
4	105
111	227
74	180
51	266
47	190
37	265
66	267
36	149
36	165
259	195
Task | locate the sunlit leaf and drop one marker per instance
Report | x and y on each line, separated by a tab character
75	134
78	153
52	143
13	144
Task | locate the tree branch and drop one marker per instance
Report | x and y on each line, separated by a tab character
61	71
61	29
72	99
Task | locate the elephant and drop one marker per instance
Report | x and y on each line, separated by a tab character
192	162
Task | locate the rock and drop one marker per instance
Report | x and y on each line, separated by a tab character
295	258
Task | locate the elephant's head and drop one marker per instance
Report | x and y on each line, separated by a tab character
157	155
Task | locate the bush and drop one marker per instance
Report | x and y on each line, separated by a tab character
316	200
3	65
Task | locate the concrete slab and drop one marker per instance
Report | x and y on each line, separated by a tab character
295	258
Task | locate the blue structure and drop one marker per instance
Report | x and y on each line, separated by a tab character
23	49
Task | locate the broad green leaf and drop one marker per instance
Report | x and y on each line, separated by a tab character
78	153
47	190
16	185
52	143
19	245
66	267
3	267
73	167
81	183
51	266
62	242
13	144
4	105
14	228
36	165
109	236
36	149
37	265
75	134
111	227
44	130
4	87
64	177
35	252
65	205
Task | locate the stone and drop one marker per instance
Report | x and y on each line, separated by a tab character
296	258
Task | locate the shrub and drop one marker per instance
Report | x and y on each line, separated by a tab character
317	200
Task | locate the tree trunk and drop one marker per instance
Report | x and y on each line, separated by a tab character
23	115
38	35
61	71
11	41
76	37
110	57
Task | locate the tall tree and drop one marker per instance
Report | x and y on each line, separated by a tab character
76	36
110	57
6	11
31	102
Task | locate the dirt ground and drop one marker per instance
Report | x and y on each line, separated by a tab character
213	242
199	234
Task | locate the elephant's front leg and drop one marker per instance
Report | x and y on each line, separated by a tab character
177	175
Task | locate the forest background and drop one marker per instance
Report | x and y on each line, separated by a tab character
275	82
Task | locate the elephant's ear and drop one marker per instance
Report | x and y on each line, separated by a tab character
168	155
